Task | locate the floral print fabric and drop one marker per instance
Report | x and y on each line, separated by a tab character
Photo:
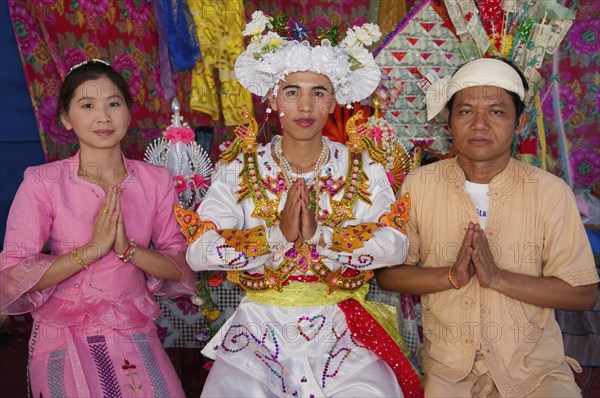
575	133
54	35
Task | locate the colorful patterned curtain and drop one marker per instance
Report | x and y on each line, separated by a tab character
573	136
54	35
314	13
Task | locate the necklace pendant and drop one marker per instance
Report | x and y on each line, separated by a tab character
304	260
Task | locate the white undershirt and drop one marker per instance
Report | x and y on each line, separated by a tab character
480	198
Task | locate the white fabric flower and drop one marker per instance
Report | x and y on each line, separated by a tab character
269	58
368	33
255	45
258	24
326	59
271	42
360	57
350	40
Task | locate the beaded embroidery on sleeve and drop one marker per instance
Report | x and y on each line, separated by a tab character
398	215
191	226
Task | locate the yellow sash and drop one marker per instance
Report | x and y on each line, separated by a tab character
314	294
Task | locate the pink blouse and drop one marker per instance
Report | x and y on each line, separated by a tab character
55	207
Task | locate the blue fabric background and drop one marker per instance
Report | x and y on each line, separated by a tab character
19	139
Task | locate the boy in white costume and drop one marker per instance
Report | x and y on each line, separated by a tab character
300	223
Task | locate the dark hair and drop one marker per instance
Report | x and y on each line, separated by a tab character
90	70
519	104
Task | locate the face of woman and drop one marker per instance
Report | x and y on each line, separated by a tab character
98	114
306	99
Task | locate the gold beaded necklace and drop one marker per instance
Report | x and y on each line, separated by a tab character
97	180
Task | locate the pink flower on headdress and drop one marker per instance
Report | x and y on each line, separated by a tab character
584	37
199	182
180	184
94	7
180	134
25	28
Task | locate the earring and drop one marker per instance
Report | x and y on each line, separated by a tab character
281	114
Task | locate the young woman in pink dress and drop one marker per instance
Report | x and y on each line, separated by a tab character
77	254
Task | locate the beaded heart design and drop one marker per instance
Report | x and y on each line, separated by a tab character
313	326
345	352
274	366
236	339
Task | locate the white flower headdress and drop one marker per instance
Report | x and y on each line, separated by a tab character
270	57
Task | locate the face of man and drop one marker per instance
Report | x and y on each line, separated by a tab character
483	123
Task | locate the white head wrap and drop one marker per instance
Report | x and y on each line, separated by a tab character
269	58
480	72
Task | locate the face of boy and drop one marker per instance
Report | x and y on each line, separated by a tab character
483	124
306	99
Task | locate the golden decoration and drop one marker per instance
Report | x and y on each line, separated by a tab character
252	242
397	218
342	211
400	166
356	133
245	140
273	279
191	226
352	237
267	210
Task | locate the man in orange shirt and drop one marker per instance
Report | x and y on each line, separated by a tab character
495	246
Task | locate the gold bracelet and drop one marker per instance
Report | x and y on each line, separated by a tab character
451	279
78	259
